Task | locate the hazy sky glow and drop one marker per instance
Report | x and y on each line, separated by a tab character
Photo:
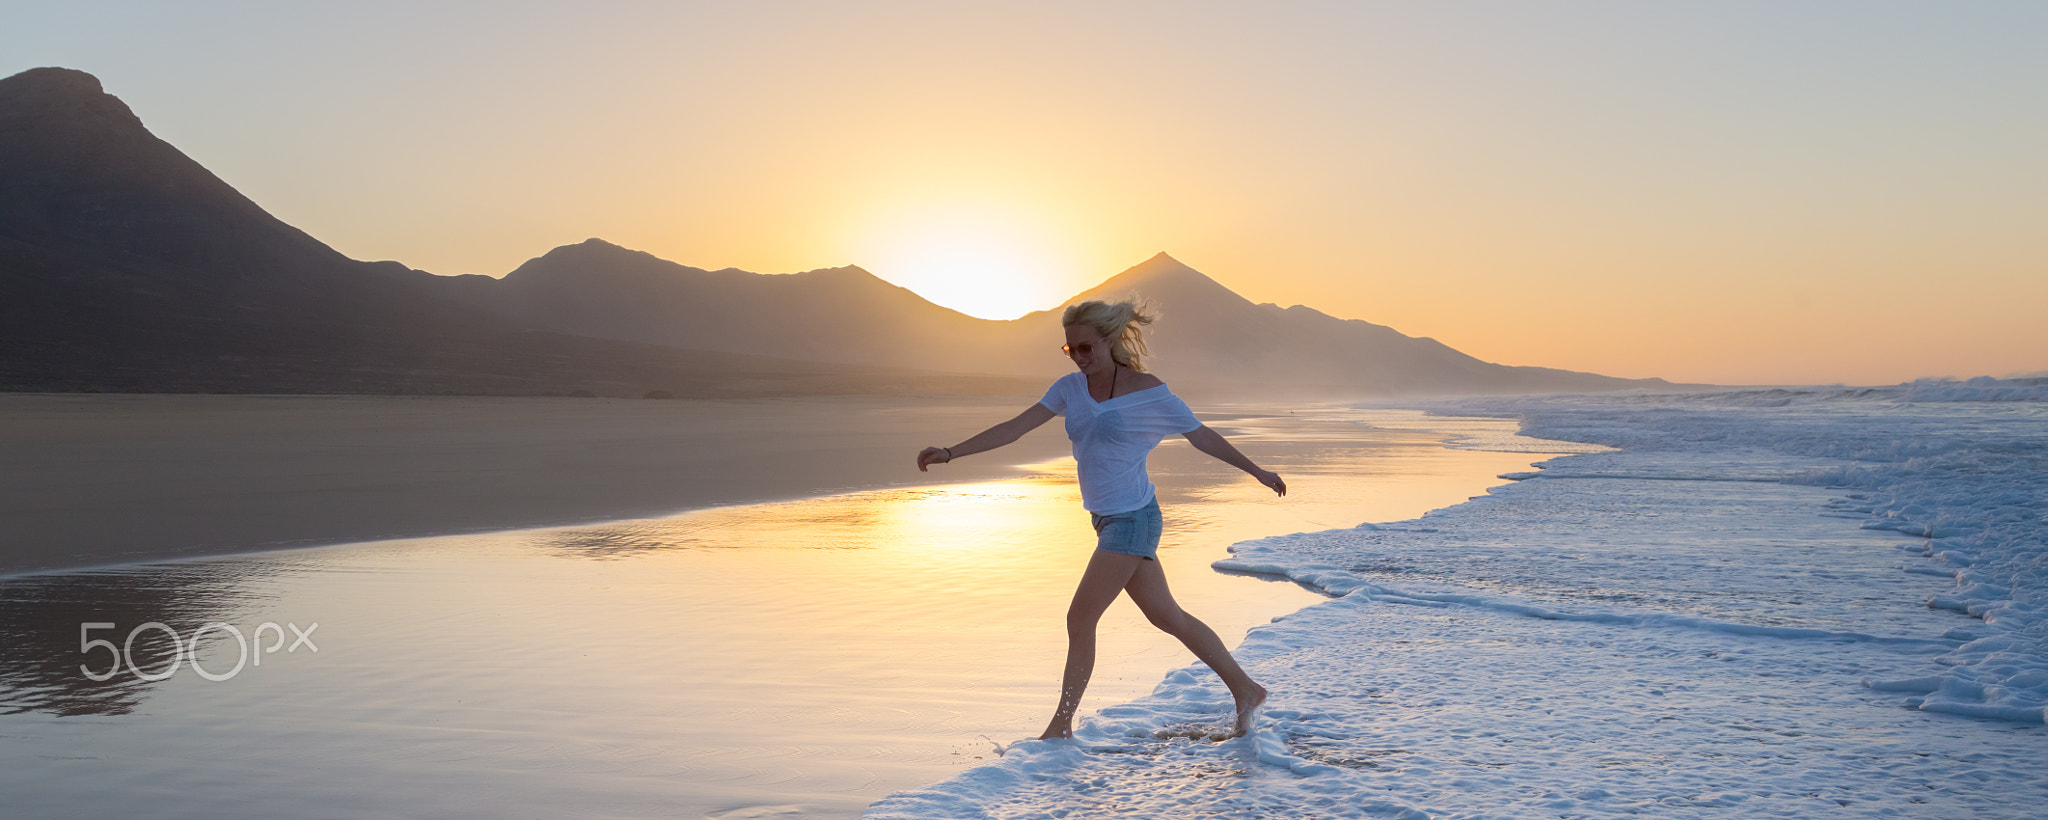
1732	192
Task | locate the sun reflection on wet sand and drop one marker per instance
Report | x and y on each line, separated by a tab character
813	654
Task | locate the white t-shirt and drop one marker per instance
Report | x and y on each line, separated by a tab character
1112	438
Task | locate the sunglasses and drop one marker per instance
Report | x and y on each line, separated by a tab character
1084	348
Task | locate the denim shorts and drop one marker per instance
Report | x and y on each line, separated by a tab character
1131	533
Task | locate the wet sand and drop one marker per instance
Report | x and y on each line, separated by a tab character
91	479
794	659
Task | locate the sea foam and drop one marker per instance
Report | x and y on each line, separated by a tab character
1961	464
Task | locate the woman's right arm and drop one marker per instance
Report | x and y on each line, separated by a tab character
989	439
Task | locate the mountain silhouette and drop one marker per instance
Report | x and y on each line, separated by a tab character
1209	339
842	314
1215	338
127	266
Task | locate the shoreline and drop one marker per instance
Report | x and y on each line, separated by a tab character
750	602
104	480
1623	631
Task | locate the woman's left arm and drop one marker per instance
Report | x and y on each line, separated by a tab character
1213	443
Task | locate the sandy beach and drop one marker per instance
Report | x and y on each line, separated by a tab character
1814	604
88	480
799	658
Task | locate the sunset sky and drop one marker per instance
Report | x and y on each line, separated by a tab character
1731	192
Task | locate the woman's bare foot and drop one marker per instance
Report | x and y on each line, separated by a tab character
1248	708
1058	728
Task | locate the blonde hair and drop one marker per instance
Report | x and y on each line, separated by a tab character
1118	322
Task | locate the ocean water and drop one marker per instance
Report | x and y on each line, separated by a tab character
794	659
1789	603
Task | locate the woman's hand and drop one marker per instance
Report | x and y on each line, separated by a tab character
933	455
1271	480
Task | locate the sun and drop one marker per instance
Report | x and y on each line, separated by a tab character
979	266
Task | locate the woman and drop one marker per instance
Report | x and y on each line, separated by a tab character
1116	413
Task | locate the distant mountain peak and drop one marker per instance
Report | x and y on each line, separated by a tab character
1162	276
594	247
1161	263
44	93
595	257
83	175
53	81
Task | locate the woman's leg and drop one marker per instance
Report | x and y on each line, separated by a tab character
1106	576
1148	589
